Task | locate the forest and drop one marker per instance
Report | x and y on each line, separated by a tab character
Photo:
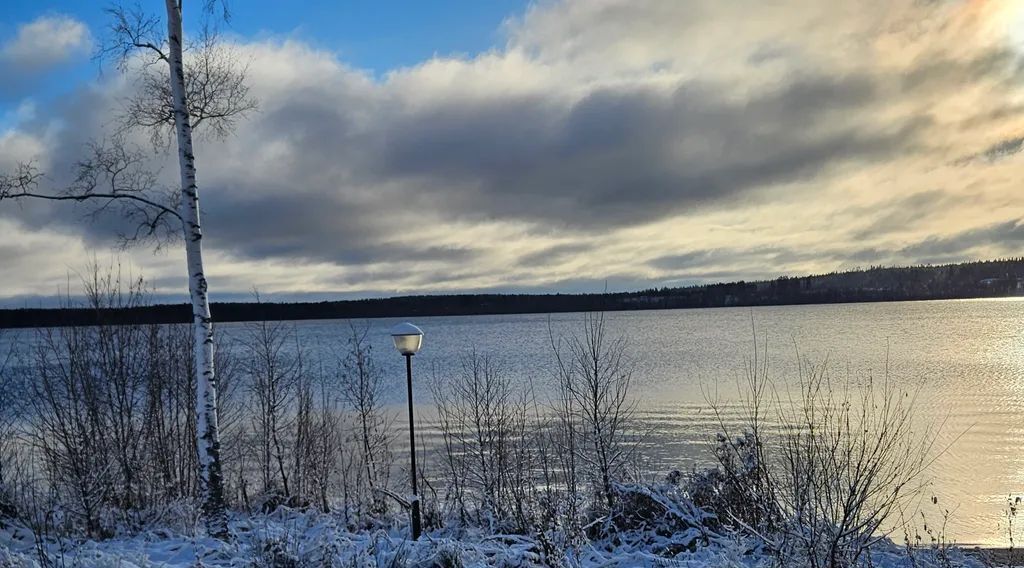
982	279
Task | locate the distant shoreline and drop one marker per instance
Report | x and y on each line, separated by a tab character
974	280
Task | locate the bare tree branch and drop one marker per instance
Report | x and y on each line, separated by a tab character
132	29
112	174
25	177
216	91
210	8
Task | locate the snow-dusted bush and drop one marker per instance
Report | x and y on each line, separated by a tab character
314	438
272	367
102	415
659	516
291	432
595	426
819	477
733	490
366	459
488	442
104	441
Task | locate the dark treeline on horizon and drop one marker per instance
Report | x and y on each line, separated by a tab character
983	279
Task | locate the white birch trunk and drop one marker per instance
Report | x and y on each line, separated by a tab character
211	484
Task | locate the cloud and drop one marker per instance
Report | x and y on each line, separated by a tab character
998	151
621	156
684	261
736	262
648	142
1005	237
37	49
21	252
46	42
555	254
904	213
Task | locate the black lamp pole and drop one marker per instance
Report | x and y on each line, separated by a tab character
412	452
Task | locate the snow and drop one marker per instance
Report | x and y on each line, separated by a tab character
291	538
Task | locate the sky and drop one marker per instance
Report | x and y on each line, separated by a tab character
549	146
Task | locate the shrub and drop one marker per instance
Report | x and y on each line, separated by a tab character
486	445
819	477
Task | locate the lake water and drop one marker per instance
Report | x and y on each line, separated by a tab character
964	358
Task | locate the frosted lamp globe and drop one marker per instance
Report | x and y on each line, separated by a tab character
408	338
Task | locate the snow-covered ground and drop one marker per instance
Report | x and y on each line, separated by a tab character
292	539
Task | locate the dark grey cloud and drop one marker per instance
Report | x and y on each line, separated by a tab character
1005	148
84	116
996	152
1007	237
867	255
554	255
765	262
939	75
770	51
903	212
689	260
737	263
623	156
313	227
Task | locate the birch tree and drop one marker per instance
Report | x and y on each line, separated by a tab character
211	480
205	88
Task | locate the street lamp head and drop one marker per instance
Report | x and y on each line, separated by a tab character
408	338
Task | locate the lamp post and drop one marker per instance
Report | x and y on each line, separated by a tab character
408	338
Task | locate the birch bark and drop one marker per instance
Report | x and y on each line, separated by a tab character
211	483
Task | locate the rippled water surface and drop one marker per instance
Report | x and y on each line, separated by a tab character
964	359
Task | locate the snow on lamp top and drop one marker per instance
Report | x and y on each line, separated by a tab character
408	338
